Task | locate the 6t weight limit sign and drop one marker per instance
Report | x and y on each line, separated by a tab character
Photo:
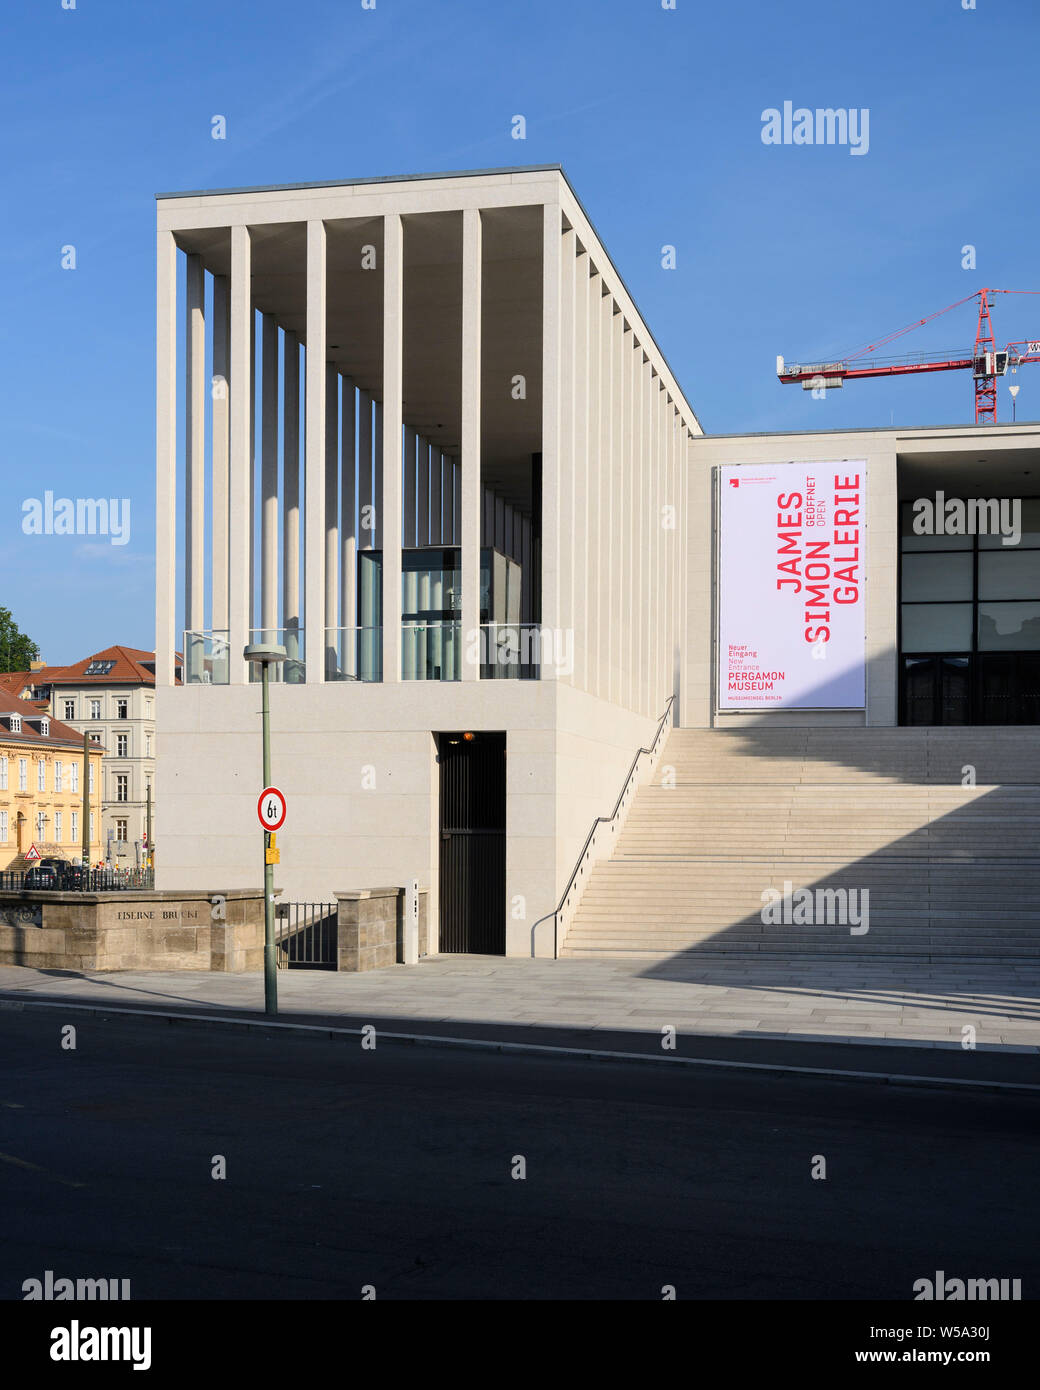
271	808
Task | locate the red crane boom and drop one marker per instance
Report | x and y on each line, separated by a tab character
985	362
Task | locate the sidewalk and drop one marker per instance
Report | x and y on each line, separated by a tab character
805	1010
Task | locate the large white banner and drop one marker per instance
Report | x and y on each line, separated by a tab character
792	553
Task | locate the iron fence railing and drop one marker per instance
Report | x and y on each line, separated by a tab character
73	878
306	935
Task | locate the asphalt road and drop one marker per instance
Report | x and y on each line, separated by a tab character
393	1168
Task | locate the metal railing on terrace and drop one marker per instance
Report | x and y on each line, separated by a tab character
72	878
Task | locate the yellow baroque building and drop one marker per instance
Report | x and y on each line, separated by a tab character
41	786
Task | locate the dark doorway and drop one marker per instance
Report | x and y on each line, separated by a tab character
937	690
473	842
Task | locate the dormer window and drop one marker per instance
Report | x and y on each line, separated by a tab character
45	727
16	723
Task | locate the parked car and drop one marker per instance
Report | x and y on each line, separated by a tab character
71	876
44	874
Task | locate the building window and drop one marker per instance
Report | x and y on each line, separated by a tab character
95	709
99	668
90	779
45	728
92	827
3	774
122	744
3	827
121	829
16	723
41	824
122	709
148	745
122	787
41	776
74	827
59	774
23	774
70	709
57	827
73	777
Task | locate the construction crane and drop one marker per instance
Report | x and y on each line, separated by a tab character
984	362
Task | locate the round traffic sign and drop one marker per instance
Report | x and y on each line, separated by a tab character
270	808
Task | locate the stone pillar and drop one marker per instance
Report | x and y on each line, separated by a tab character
241	470
291	496
423	495
269	479
408	529
556	245
331	606
470	450
314	529
195	462
389	458
366	501
165	458
347	534
221	388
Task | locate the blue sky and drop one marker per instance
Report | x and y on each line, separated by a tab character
655	114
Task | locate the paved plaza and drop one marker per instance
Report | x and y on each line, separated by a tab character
890	1002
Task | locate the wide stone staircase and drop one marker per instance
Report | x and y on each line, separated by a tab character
940	826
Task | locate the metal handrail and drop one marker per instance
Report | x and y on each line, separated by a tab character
600	820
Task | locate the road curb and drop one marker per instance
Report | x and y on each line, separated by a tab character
9	1004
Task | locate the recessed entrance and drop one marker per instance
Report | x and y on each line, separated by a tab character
472	842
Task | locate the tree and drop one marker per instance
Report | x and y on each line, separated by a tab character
16	649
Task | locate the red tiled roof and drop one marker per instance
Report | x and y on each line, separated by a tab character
59	733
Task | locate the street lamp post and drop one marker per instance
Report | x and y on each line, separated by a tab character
264	655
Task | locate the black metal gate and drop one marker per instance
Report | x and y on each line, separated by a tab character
473	843
306	936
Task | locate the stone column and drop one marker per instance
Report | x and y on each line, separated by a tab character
408	530
555	245
269	479
347	534
239	508
291	496
423	497
221	388
314	529
470	450
332	622
366	501
389	458
195	463
165	458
